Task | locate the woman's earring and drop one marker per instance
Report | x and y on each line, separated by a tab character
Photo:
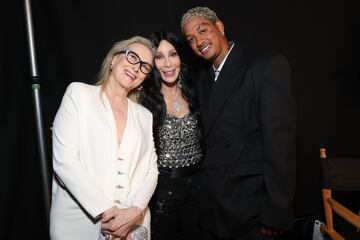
180	83
139	88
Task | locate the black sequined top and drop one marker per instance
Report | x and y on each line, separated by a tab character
179	141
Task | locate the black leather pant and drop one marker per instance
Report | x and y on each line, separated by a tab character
173	207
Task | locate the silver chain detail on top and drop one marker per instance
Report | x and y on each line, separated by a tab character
179	142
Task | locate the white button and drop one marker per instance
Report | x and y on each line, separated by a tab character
119	187
117	201
120	173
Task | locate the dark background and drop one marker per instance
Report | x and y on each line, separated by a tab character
320	40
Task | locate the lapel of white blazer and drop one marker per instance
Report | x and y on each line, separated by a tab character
131	143
131	140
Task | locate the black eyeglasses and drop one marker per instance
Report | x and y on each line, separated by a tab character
133	58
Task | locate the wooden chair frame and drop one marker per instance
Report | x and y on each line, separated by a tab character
330	206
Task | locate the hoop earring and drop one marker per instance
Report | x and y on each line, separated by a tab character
139	88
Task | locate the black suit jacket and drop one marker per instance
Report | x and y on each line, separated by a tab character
248	117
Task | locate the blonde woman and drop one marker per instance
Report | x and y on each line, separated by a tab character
104	158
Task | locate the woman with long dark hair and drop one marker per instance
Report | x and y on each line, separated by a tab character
169	96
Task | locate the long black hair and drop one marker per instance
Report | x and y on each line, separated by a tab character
150	95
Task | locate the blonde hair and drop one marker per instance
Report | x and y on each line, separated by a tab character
104	73
198	12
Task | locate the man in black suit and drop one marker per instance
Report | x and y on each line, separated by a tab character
248	113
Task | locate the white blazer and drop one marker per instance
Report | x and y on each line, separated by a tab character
92	173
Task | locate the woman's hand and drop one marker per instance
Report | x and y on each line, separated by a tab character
118	222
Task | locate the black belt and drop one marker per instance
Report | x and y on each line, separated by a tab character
180	172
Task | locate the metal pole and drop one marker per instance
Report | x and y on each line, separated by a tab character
35	85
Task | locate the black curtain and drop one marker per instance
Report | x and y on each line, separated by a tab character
321	42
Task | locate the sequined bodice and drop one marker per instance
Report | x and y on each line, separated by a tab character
179	141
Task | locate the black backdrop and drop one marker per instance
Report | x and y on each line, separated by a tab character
321	42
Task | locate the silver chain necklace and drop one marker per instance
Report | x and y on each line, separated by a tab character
176	103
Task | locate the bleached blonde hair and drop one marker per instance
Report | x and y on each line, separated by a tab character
198	11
